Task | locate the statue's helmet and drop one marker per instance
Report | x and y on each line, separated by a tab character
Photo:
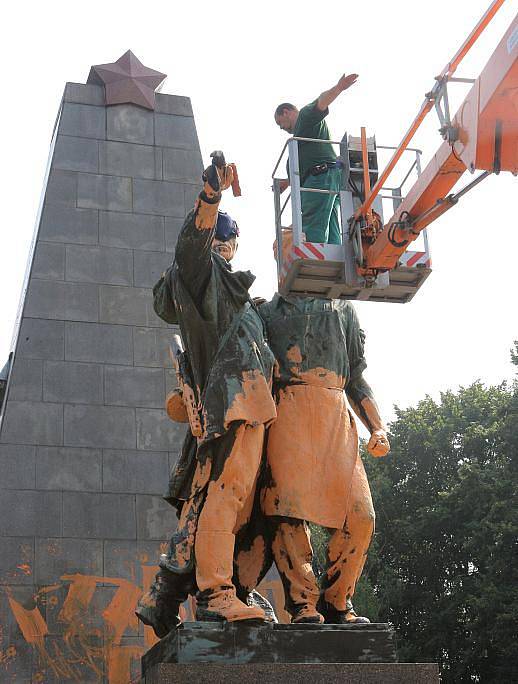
226	227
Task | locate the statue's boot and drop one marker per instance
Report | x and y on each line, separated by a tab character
216	599
159	607
341	617
293	556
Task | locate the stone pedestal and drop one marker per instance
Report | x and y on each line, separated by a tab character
205	652
282	673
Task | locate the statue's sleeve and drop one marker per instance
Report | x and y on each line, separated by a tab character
355	340
193	257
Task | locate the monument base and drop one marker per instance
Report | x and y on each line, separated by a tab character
236	652
293	673
237	643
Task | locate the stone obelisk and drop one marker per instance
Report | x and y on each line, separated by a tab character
85	444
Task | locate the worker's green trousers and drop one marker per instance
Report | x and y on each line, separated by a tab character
320	220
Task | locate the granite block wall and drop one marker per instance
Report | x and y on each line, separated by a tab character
85	445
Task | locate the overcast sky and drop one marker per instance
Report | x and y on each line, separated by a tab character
237	61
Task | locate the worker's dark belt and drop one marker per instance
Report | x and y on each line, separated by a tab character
322	168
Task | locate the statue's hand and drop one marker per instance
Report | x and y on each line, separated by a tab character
219	175
378	444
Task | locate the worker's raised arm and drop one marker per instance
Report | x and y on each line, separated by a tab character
329	96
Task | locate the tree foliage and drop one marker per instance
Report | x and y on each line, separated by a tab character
443	567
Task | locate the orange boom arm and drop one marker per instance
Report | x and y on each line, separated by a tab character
483	135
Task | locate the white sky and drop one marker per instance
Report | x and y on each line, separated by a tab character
237	61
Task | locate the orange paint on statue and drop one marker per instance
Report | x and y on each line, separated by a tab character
347	548
249	565
294	354
254	404
372	413
311	454
293	554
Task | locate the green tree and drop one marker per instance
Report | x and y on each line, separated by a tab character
443	567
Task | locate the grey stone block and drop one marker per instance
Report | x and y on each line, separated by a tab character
49	261
171	382
32	422
173	226
17	466
100	427
63	301
152	346
16	560
29	513
104	192
176	131
120	559
81	302
156	519
41	339
69	469
130	123
134	386
158	197
157	432
173	104
173	458
136	472
127	306
183	165
127	159
73	383
99	343
132	231
190	195
98	516
82	93
61	188
26	380
57	557
149	266
76	154
84	121
90	264
67	224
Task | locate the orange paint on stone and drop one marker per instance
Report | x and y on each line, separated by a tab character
30	621
80	593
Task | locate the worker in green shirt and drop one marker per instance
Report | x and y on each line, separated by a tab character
319	167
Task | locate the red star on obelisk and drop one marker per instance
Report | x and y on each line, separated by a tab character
127	81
